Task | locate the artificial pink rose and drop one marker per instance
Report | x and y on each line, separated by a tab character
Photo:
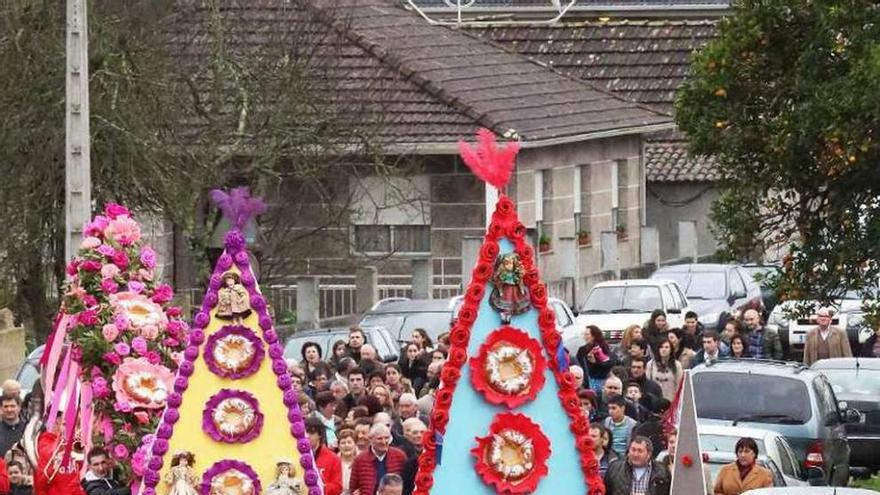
106	250
142	417
135	286
139	344
163	294
109	270
123	230
169	342
110	332
153	357
145	274
90	266
120	259
90	300
122	349
120	451
148	258
112	358
96	227
114	210
109	286
87	318
90	243
149	332
121	321
122	406
99	387
174	311
73	268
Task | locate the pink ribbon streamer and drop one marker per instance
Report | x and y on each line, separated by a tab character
58	392
71	413
53	352
85	421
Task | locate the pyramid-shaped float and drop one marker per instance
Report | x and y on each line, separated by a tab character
507	418
233	425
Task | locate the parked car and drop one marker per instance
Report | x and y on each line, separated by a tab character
721	440
384	342
28	373
401	316
613	306
811	490
788	398
760	274
715	291
848	314
857	382
717	460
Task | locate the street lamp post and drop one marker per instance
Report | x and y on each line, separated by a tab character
78	183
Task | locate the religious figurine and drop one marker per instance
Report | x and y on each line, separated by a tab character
285	483
510	297
182	477
233	301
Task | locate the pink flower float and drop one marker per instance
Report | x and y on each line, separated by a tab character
142	384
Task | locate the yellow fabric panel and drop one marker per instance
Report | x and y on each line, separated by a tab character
275	441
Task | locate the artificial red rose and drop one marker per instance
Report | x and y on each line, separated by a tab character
566	381
526	254
418	491
516	230
530	278
482	272
450	374
570	402
429	441
552	340
460	335
467	314
539	294
547	318
424	480
489	251
439	419
505	207
443	398
457	356
474	293
580	425
428	459
583	443
590	464
496	230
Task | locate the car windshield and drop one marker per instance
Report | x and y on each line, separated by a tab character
28	376
628	299
724	443
866	382
401	325
705	285
749	397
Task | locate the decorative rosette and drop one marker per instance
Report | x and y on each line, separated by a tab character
509	368
234	352
230	476
232	416
141	384
513	457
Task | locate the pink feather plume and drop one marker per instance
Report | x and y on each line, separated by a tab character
490	163
238	205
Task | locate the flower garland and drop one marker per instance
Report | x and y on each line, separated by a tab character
123	333
235	254
223	476
505	224
232	416
234	352
508	351
512	436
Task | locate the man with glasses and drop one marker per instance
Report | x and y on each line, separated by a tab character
825	341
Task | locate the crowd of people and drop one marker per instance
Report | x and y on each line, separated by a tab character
366	419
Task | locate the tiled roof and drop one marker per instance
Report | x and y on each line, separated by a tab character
547	3
670	162
644	60
433	84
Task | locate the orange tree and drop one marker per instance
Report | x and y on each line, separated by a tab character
788	100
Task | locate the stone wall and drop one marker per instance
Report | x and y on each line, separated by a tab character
12	349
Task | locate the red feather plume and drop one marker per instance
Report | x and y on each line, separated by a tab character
487	161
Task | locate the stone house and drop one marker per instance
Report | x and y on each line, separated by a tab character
581	168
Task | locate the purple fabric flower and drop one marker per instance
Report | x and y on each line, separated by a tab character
266	323
180	384
151	478
164	431
106	250
221	467
247	279
241	259
279	367
215	282
229	331
294	415
276	351
171	416
224	262
306	461
270	336
299	431
234	240
191	353
148	258
202	319
258	302
139	344
313	490
211	429
160	446
311	478
155	463
210	300
196	337
290	398
121	322
122	349
135	286
284	382
186	369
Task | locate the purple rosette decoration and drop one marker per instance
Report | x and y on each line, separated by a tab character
230	473
232	416
234	352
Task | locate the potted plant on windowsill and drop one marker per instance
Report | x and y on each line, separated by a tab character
621	232
583	238
544	243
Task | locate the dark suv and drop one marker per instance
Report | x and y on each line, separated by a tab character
714	291
380	338
402	316
787	398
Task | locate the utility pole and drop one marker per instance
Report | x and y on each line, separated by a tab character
78	177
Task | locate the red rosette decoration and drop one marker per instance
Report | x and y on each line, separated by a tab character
509	368
513	457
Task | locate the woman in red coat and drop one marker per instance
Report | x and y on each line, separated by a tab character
328	463
50	477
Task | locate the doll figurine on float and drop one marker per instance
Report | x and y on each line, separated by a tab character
285	483
510	297
233	301
182	477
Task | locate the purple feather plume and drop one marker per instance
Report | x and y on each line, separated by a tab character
237	206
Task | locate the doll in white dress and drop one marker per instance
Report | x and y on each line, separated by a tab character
182	477
285	483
